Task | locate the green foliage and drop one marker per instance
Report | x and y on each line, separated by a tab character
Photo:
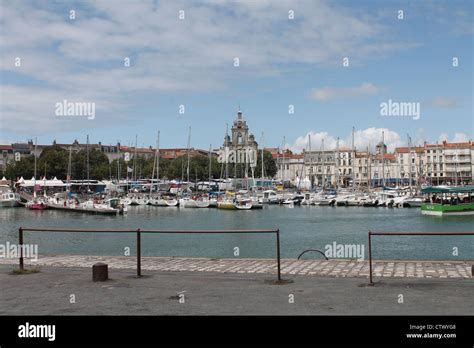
54	161
198	168
98	165
24	167
269	164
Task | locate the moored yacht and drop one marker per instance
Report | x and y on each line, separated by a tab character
9	199
270	197
243	204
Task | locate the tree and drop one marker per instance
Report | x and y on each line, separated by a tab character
23	168
98	165
269	164
53	161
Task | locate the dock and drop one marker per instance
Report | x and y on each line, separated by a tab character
216	293
289	267
83	210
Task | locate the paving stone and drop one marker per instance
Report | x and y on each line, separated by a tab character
333	268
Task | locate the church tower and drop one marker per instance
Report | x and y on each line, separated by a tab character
240	136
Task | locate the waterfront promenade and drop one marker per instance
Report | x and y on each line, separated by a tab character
328	268
235	286
211	293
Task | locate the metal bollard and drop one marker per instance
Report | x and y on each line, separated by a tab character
100	272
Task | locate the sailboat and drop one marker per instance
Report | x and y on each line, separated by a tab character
7	197
157	201
36	203
243	203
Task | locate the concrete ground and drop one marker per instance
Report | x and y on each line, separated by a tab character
49	292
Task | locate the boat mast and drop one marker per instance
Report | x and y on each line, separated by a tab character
368	169
409	161
135	160
34	177
87	163
118	163
44	179
456	167
189	145
283	162
310	162
155	164
263	172
158	162
323	158
353	160
69	167
226	153
337	163
383	159
210	163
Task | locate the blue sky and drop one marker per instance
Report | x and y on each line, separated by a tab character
282	62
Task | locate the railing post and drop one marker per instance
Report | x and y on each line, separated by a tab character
278	253
139	254
370	259
20	242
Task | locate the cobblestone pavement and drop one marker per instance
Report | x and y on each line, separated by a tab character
330	268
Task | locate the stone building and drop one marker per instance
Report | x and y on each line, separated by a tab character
240	136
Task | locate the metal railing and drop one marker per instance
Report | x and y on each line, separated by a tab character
139	231
313	250
408	234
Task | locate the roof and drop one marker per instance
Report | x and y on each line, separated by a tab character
444	144
448	189
418	149
458	145
138	149
388	156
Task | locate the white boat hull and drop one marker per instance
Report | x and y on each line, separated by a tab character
9	203
172	203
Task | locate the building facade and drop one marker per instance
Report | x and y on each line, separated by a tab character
430	164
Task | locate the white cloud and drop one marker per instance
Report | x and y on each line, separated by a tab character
66	58
444	102
362	139
458	138
316	141
368	137
328	93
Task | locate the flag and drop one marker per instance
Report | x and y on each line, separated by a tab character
129	170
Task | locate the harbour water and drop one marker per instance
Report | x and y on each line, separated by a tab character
305	227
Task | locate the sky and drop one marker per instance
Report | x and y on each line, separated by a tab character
291	54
